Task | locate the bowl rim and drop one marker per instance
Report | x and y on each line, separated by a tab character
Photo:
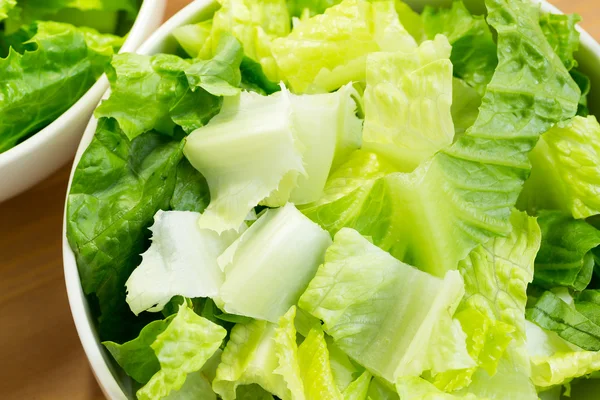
136	36
84	324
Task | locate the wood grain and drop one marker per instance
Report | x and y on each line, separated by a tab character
40	354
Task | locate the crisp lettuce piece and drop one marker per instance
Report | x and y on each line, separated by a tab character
496	275
181	261
244	153
297	7
152	92
191	190
195	386
410	20
379	389
385	314
473	48
407	103
116	191
254	78
293	151
263	279
267	354
466	191
465	106
552	313
181	349
359	388
585	85
192	37
329	50
219	76
255	23
54	68
566	170
563	36
565	257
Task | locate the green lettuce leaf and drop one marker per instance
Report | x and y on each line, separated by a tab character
379	389
136	357
314	7
561	32
552	313
407	103
418	388
329	50
496	275
584	83
359	388
410	20
566	170
255	23
219	76
561	368
293	151
117	188
254	78
152	92
192	37
262	279
364	296
182	348
473	48
181	261
565	257
191	190
467	191
56	66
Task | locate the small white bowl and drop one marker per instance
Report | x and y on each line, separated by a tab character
114	383
37	157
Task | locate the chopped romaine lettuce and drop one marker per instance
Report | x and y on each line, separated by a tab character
566	170
192	37
407	103
563	36
5	7
385	314
263	279
329	50
181	261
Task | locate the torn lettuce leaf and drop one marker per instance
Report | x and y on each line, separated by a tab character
48	74
254	78
292	153
364	296
192	37
329	50
466	191
585	85
474	52
496	275
191	190
465	106
181	261
183	348
566	170
561	32
151	92
5	7
565	257
118	186
255	23
263	277
418	388
407	103
220	75
553	314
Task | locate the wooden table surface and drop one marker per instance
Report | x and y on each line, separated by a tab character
40	354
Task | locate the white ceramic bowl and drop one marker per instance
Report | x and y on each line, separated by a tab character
37	157
114	383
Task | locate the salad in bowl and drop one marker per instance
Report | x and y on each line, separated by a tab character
346	200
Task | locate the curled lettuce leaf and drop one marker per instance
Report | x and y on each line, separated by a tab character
264	279
255	23
473	48
192	37
566	170
468	190
56	66
418	388
565	257
465	106
364	296
181	261
118	186
5	7
329	50
181	349
407	103
496	276
563	36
